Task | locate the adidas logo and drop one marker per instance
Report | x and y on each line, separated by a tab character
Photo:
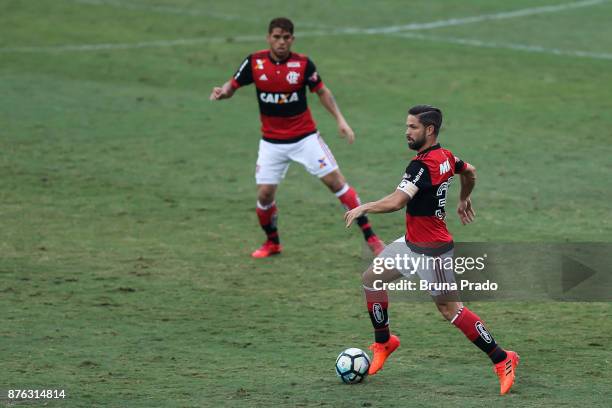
263	77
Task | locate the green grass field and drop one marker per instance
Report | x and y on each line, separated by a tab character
127	200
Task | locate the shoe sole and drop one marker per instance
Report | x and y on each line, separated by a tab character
267	256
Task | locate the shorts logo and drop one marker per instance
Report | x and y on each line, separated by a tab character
482	331
279	98
377	311
292	77
322	162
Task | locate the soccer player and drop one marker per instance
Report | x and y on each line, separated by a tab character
289	131
423	192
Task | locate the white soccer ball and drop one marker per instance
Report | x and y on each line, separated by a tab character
352	365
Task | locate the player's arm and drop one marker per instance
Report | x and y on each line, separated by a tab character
393	202
467	175
415	178
242	77
326	97
225	91
329	102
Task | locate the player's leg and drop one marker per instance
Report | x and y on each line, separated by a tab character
472	326
347	195
267	216
319	161
272	165
437	270
377	301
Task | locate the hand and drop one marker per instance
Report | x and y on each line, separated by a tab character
217	93
346	132
351	215
465	211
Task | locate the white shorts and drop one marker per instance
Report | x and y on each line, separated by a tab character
273	159
433	269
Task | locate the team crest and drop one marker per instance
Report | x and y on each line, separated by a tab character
292	77
259	64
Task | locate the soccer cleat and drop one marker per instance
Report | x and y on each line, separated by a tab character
380	352
505	370
268	248
375	244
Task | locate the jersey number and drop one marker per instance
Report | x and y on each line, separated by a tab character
441	195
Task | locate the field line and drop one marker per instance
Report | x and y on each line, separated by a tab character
129	46
180	11
348	30
477	19
391	30
508	46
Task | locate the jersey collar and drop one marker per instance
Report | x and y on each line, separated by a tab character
429	149
272	60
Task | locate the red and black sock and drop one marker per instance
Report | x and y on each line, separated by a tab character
378	302
474	329
349	199
267	215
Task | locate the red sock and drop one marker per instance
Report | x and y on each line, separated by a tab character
378	303
474	329
349	199
267	215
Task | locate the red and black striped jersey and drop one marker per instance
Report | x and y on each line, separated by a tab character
426	180
281	93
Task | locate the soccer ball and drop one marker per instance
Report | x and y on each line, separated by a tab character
352	365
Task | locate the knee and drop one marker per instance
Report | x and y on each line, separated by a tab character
265	196
447	314
448	310
367	278
334	181
336	185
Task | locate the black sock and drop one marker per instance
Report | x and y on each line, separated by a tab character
474	329
267	220
364	224
272	233
378	302
498	355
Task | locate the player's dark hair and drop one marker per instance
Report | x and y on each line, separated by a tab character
428	115
281	22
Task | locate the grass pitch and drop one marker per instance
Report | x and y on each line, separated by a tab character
127	200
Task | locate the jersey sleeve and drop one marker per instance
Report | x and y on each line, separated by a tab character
415	178
313	80
460	165
244	74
